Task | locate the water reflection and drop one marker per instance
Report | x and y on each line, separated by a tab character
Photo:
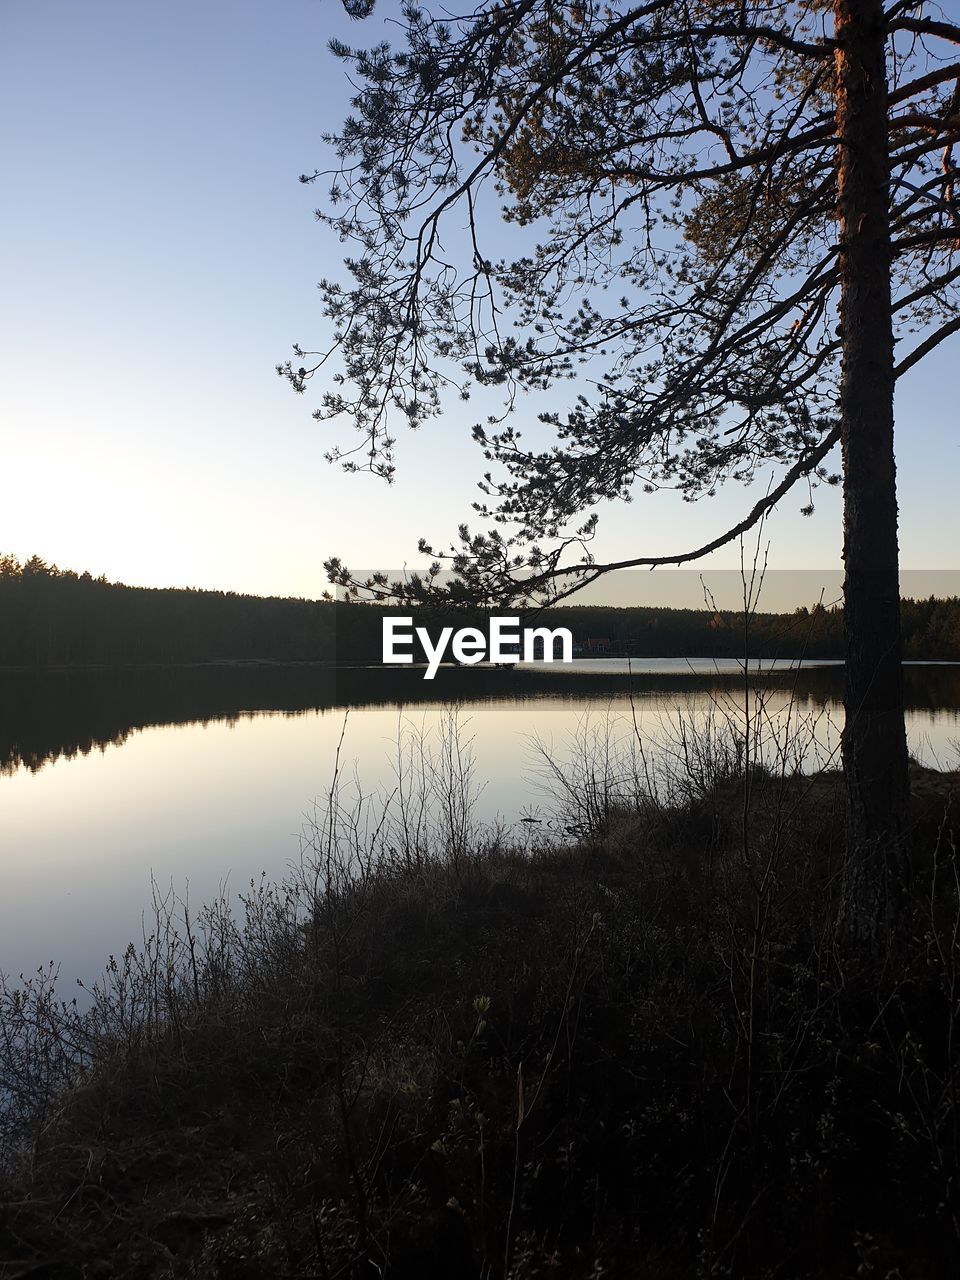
45	716
204	776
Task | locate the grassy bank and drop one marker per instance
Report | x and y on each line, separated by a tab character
635	1049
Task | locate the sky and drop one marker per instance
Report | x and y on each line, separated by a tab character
160	257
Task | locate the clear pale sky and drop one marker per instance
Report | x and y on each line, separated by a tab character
160	257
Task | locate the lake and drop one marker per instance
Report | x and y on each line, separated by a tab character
205	776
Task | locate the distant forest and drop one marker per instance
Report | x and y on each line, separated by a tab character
55	617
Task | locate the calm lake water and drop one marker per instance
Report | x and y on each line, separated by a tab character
205	776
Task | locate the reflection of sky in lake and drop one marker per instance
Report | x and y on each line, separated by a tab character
204	803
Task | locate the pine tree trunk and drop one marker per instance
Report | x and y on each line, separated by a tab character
874	739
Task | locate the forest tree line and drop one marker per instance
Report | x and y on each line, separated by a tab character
55	617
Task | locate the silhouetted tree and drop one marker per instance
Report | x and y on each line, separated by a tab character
741	211
56	617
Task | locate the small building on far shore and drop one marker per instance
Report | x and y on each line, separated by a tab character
596	645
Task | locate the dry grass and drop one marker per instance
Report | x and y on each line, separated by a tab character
432	1054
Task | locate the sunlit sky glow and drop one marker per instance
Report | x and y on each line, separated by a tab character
160	257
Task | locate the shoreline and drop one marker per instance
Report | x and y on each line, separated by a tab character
322	664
